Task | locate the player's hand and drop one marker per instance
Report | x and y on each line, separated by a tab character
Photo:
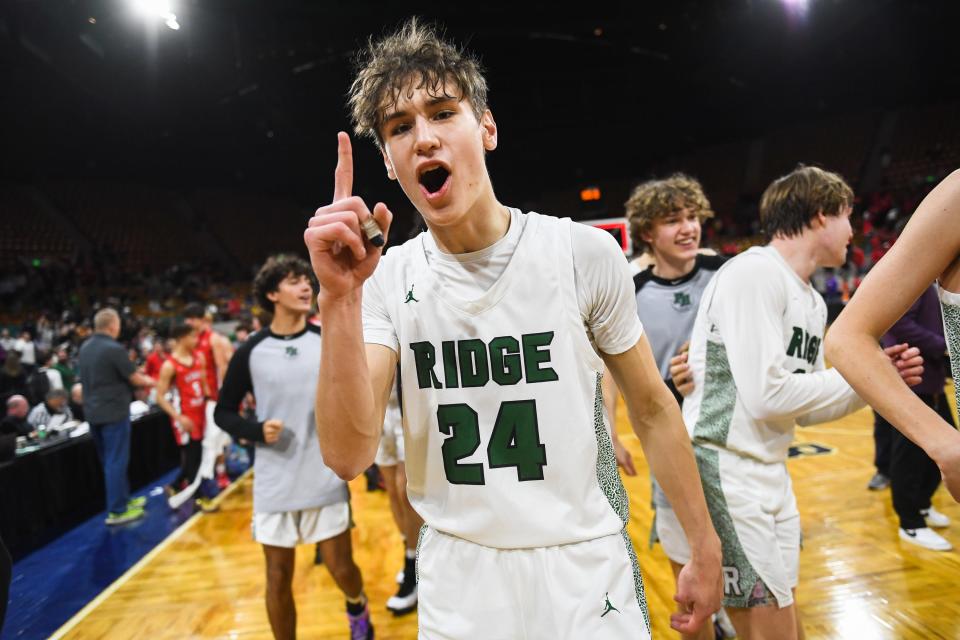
271	430
699	593
680	372
624	459
340	253
908	361
185	424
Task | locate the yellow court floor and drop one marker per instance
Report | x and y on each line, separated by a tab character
857	580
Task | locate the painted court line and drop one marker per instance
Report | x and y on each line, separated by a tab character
144	561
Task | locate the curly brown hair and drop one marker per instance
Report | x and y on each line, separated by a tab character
273	272
656	199
414	57
791	202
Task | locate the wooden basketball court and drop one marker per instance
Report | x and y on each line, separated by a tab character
857	579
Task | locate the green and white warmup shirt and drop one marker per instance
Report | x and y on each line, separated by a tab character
757	361
506	441
668	307
950	305
281	372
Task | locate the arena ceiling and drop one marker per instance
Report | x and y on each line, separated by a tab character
252	92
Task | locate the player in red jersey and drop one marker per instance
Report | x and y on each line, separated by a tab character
185	369
217	350
156	359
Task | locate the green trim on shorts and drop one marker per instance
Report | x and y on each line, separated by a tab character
739	576
637	578
951	322
607	475
719	398
612	486
423	531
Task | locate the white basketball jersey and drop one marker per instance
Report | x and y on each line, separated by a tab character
506	444
757	366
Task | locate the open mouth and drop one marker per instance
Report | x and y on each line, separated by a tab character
433	179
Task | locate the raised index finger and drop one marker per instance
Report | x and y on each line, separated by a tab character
343	174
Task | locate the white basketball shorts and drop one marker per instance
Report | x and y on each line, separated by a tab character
308	526
671	535
755	514
577	591
390	452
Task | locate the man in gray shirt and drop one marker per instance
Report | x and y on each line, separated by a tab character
108	377
296	497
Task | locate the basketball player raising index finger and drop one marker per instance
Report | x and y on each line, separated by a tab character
339	254
501	322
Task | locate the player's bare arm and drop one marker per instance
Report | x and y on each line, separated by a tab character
222	350
164	380
657	421
354	383
927	250
610	395
139	379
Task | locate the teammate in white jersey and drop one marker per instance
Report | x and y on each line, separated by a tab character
927	251
490	315
757	371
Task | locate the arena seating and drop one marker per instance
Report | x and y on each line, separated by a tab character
840	144
926	145
103	212
251	226
27	232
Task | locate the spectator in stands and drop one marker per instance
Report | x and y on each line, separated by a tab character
144	340
52	412
240	334
76	401
108	375
13	377
47	359
38	384
155	359
6	340
16	419
62	364
882	434
27	349
45	333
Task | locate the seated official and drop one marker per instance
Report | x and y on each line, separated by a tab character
15	422
52	412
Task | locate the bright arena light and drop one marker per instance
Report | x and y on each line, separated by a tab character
796	8
157	9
